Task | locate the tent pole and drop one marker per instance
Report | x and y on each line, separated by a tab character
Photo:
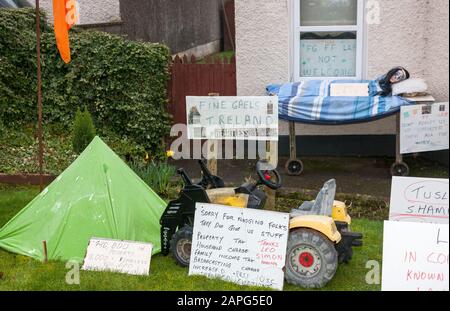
39	97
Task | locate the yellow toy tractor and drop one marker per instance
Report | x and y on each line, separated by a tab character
320	237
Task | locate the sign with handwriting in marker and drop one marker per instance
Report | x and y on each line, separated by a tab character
328	57
239	245
424	128
349	89
415	257
419	200
127	257
232	118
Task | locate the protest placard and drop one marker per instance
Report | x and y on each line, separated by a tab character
236	118
424	128
415	257
244	246
349	89
419	200
118	256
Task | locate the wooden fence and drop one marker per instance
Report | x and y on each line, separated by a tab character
190	77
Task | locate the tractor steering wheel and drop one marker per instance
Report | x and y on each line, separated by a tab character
268	175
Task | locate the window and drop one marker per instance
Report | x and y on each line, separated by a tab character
328	39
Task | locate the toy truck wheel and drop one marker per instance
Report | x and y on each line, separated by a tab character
180	245
311	260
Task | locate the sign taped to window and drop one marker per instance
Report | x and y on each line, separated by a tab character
232	118
328	58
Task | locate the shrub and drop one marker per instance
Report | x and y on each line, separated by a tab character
83	130
124	82
19	149
158	175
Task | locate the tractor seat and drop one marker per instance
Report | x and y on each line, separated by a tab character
228	197
322	205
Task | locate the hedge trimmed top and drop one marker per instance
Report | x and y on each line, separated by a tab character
122	83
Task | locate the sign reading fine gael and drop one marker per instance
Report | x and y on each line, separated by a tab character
236	118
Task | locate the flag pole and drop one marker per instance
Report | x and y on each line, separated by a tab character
39	98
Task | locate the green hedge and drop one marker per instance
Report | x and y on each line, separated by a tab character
122	83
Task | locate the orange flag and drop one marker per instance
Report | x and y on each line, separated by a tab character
65	15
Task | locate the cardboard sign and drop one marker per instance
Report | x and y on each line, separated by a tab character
328	58
424	128
235	118
349	89
118	256
419	200
240	245
415	257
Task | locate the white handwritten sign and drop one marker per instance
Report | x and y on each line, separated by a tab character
118	256
244	246
419	200
349	89
236	118
424	128
328	58
415	257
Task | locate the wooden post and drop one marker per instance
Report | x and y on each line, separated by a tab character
272	158
44	246
39	98
213	150
212	155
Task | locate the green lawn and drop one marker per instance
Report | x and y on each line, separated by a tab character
23	273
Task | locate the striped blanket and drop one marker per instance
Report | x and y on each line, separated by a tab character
310	102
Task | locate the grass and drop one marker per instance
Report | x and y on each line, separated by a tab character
23	273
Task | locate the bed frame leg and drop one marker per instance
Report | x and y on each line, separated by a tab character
293	167
399	168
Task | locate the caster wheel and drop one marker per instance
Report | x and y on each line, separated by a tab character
294	167
400	169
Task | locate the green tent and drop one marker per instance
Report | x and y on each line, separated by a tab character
97	196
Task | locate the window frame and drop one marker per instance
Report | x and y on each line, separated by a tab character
297	29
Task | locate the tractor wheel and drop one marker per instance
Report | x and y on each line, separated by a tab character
311	260
180	245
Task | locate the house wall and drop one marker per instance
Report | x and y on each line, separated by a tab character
91	12
436	51
412	33
193	25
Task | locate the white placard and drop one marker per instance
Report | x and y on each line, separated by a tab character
415	257
328	58
240	245
236	118
118	256
419	200
349	89
424	128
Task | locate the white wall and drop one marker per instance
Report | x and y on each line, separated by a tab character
436	51
262	44
412	33
91	11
